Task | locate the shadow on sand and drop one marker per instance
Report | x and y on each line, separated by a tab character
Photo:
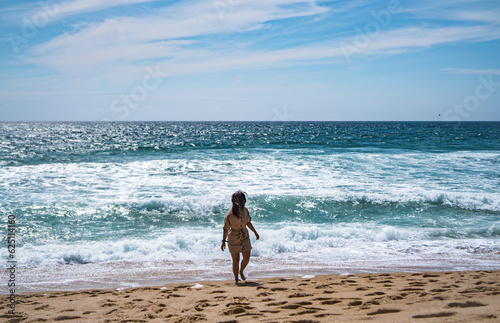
250	284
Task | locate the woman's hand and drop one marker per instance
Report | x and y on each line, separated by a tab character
250	225
223	246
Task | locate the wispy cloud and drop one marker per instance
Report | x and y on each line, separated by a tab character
172	33
85	50
491	16
478	11
92	50
75	7
174	36
55	10
471	71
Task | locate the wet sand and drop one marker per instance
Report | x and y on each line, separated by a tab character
469	296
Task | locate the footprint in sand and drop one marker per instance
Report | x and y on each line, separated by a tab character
430	275
427	316
236	304
264	294
295	306
171	295
308	310
466	304
112	311
237	310
398	297
220	298
375	294
108	305
451	286
43	307
384	311
270	311
412	289
418	283
191	318
252	314
295	295
201	304
325	315
202	300
66	317
322	286
331	302
182	286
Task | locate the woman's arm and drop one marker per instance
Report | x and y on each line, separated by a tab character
224	238
250	226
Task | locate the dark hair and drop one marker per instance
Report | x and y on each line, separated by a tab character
239	201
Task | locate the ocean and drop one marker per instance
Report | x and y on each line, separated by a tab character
129	204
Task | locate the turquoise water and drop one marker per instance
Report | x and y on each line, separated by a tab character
125	204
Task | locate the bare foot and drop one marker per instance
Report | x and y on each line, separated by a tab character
243	277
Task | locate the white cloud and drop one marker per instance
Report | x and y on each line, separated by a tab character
74	7
426	37
389	43
472	71
162	35
491	16
174	36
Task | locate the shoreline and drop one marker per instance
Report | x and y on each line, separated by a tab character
113	284
458	296
131	274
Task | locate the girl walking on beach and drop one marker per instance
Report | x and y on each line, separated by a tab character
236	234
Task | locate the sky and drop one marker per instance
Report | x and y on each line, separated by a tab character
249	60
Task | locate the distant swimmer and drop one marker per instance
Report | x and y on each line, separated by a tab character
235	231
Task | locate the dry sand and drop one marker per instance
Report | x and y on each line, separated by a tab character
395	297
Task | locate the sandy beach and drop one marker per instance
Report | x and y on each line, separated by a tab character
470	296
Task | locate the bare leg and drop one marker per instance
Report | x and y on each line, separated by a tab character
244	263
236	265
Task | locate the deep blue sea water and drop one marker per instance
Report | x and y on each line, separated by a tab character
126	204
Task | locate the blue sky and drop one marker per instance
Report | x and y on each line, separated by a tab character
284	60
